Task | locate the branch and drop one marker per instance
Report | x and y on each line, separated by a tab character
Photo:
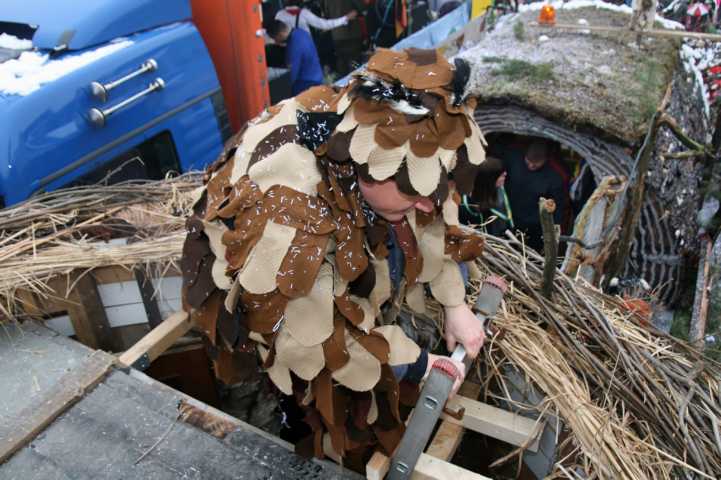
550	245
689	142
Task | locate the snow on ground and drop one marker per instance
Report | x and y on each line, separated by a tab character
575	4
12	42
31	70
696	59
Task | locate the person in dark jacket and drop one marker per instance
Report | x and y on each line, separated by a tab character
301	56
530	177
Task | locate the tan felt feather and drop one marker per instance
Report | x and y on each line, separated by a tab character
309	319
431	245
279	374
362	371
348	123
448	287
306	362
383	164
424	173
362	143
262	265
403	350
214	231
258	130
292	165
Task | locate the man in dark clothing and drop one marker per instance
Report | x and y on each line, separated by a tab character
300	56
530	177
348	39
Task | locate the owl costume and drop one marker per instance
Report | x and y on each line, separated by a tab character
286	265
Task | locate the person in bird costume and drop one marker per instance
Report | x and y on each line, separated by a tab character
334	211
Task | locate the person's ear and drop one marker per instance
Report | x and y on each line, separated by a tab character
425	204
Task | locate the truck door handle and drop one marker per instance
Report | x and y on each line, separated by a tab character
98	117
101	90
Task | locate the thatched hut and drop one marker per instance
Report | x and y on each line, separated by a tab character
595	93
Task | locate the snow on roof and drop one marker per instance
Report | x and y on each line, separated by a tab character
12	42
31	70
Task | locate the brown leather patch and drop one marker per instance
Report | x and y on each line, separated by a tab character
425	140
242	195
389	439
465	172
320	99
463	245
451	129
218	188
334	348
301	264
407	242
375	343
351	258
363	285
394	135
403	181
234	367
247	231
290	207
338	146
422	57
349	309
329	399
264	311
399	66
272	142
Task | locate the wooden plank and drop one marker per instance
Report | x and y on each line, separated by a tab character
158	340
87	314
449	435
427	468
41	413
496	422
652	32
431	468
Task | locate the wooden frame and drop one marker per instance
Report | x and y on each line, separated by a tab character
479	417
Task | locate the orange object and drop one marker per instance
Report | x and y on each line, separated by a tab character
639	307
547	15
232	31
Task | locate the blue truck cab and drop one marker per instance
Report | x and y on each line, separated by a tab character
87	87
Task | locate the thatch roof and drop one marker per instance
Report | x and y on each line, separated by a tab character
599	81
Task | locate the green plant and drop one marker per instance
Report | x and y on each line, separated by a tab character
519	31
514	69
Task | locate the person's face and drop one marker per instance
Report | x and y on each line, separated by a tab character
535	163
390	203
281	38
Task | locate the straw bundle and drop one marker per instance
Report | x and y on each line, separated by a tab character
72	229
639	404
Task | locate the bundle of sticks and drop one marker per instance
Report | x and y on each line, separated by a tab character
638	403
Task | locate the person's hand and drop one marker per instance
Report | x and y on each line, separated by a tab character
351	15
459	365
463	327
501	180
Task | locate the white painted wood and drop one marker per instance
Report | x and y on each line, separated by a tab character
122	315
120	293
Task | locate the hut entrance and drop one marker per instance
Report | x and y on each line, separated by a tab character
520	170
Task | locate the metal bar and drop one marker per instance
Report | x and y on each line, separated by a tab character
99	117
101	90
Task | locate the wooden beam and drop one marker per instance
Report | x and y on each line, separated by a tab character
427	468
449	435
157	341
496	422
147	293
69	389
87	314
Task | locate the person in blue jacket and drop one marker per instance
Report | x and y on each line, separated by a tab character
301	56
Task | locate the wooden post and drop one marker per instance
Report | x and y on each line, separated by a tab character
546	208
87	314
152	345
145	285
633	202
